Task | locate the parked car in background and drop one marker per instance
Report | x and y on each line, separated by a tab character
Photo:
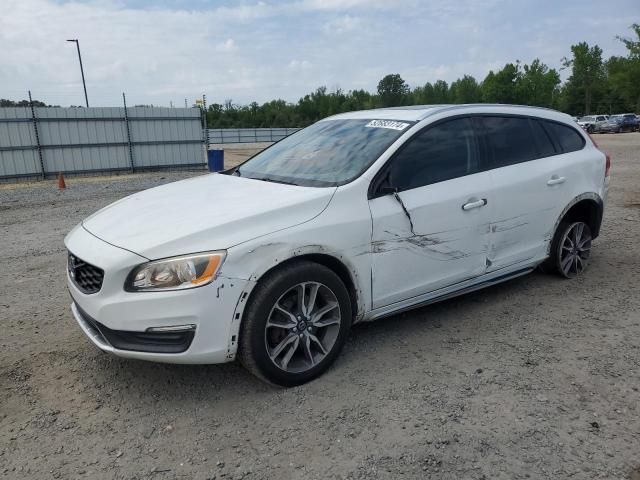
630	120
357	217
590	122
617	124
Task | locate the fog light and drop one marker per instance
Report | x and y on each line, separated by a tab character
174	328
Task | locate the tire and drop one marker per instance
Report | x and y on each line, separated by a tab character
570	249
280	351
590	129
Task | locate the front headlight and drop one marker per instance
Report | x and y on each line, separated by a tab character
177	273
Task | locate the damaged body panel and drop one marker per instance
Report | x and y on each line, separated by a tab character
443	249
529	198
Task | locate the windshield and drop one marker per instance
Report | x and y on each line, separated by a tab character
328	153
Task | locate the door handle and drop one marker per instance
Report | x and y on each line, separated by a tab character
475	204
556	180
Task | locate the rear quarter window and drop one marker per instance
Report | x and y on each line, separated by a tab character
565	137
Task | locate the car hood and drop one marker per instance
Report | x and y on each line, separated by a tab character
208	212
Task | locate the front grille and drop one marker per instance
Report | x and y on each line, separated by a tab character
88	278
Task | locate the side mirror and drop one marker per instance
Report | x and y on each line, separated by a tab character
382	186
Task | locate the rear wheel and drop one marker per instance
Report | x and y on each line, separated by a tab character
571	249
295	325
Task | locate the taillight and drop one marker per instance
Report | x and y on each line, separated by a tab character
607	166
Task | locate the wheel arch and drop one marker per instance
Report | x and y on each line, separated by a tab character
333	263
278	255
588	207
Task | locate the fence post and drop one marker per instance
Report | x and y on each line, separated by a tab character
126	122
35	129
206	126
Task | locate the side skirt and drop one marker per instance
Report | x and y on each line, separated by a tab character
446	293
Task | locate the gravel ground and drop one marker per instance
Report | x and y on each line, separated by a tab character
534	378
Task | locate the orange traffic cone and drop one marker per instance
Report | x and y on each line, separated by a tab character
61	184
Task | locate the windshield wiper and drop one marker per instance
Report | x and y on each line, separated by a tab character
272	180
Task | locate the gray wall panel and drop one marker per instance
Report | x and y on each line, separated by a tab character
95	139
248	135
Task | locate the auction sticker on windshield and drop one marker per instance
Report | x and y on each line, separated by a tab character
392	124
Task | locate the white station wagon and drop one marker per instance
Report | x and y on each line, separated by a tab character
355	218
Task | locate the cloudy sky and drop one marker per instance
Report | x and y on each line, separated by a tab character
164	51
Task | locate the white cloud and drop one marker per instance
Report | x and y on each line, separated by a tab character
299	65
349	4
227	46
261	50
343	24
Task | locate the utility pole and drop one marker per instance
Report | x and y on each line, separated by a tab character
86	99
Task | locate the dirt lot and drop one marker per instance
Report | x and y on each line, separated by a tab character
535	378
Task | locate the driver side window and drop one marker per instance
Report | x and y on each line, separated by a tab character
442	152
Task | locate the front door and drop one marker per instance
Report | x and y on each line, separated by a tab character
430	215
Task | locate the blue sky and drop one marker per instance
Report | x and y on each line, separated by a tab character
165	51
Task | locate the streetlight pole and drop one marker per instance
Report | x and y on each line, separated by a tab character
86	99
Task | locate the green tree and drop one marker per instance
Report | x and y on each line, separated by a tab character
392	90
624	73
22	103
588	74
440	93
502	87
465	90
538	85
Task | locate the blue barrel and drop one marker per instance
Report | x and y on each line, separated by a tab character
215	160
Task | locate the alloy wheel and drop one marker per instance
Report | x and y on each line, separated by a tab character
302	327
575	249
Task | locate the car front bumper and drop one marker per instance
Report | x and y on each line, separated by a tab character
183	326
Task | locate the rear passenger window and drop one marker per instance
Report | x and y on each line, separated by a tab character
436	154
544	143
510	138
566	138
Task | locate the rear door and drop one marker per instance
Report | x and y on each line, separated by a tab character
433	231
533	179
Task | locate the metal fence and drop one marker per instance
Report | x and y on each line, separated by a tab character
44	141
220	136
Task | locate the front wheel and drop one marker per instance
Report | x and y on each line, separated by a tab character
571	249
295	324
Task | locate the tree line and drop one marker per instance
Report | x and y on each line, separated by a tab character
595	85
